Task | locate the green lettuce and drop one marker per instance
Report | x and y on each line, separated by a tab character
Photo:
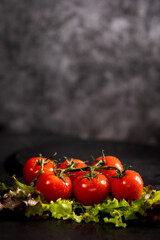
33	205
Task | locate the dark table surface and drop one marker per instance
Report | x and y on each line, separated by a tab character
14	151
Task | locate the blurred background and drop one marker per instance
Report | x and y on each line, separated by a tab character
82	68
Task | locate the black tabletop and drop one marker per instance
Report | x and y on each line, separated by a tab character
16	149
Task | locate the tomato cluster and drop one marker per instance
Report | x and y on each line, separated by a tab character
89	184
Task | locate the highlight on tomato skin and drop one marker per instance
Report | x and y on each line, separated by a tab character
52	187
32	168
129	187
112	162
91	191
78	164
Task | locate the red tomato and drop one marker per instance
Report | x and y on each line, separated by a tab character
91	191
128	187
32	168
53	187
112	162
78	163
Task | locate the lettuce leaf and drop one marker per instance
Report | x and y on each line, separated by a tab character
116	218
3	187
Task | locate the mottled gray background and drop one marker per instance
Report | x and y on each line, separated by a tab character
86	68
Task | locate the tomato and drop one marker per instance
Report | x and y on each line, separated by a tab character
112	162
32	168
128	187
77	164
91	191
52	187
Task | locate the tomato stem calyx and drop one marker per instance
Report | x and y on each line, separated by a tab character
101	162
71	163
90	175
42	162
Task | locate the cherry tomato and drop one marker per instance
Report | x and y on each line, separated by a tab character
91	191
77	164
112	162
52	187
32	168
128	187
